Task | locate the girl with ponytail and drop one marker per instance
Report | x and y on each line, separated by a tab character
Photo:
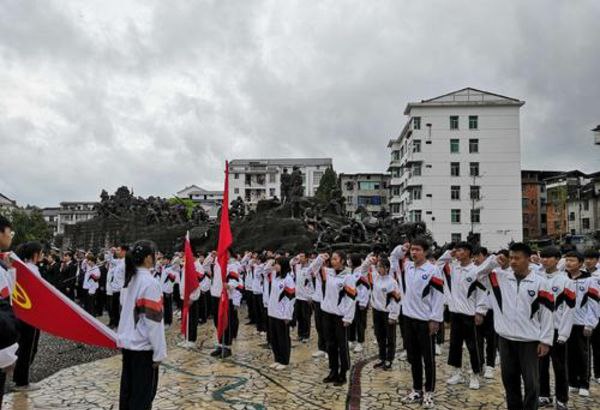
141	333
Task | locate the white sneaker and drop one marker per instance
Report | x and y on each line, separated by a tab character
573	389
428	400
273	365
597	380
438	350
186	344
456	378
262	333
412	397
474	382
280	366
584	393
489	372
403	355
358	348
319	353
351	344
27	387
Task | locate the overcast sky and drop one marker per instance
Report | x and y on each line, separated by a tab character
156	95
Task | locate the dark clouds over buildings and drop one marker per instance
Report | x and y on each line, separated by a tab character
156	95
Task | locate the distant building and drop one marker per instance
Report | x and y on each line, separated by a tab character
370	190
51	217
257	179
583	207
71	213
534	206
7	205
596	133
210	200
456	165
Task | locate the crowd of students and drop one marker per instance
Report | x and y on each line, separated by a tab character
532	308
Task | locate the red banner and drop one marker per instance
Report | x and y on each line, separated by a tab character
225	240
190	283
39	304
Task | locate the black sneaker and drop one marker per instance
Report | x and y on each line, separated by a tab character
216	352
340	380
379	364
331	377
226	353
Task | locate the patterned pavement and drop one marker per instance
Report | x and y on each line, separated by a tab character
191	379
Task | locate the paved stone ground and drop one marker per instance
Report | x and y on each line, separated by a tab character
191	379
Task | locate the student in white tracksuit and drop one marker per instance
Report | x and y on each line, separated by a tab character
141	332
422	293
339	304
304	292
523	307
585	319
361	272
281	309
563	290
385	300
8	322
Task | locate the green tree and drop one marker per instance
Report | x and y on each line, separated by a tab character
328	186
29	225
187	202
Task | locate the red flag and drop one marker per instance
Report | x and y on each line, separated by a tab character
190	283
39	304
225	240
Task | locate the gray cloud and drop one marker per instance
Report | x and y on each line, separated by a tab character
157	95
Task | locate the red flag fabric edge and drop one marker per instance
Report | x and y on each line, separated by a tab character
225	241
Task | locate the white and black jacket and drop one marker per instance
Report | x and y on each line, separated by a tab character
421	288
522	309
563	290
587	289
282	297
304	281
141	327
340	293
385	295
464	292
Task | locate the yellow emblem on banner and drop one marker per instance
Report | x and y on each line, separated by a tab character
20	297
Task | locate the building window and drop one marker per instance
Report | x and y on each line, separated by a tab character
416	123
396	191
475	192
236	176
585	223
317	178
368	185
455	216
454	146
416	193
474	169
416	170
349	200
473	120
416	145
473	146
475	216
271	192
586	205
455	192
236	190
455	169
395	208
415	215
272	178
395	155
455	237
454	122
571	216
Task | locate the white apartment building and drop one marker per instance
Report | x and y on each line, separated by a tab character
209	200
457	166
72	212
257	179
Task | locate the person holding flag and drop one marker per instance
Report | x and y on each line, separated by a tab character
8	322
30	253
190	293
